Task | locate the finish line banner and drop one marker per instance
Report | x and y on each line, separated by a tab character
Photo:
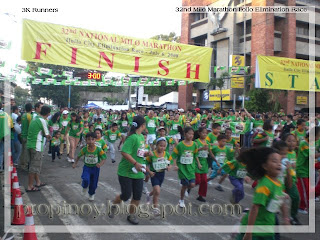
80	48
286	74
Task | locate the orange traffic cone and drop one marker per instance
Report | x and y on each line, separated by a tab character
18	216
14	173
11	162
15	187
29	228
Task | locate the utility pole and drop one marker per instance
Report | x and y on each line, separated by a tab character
244	52
69	96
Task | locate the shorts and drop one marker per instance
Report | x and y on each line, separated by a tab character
187	182
215	169
151	138
124	134
35	161
130	186
157	179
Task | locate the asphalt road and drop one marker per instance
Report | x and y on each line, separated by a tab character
64	187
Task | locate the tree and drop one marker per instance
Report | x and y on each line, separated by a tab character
161	90
171	37
22	96
259	98
219	83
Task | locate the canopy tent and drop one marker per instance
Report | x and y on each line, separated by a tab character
91	105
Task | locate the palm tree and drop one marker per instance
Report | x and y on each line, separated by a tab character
219	83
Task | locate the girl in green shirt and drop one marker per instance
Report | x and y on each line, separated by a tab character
263	164
74	128
133	153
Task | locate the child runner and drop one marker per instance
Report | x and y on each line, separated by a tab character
221	154
212	138
300	132
100	141
94	158
288	174
55	145
84	133
263	164
237	173
124	128
75	126
162	133
112	136
158	163
203	153
265	138
232	143
152	124
185	158
99	124
302	169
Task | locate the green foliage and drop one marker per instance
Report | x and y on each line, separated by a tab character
258	102
171	37
161	90
22	96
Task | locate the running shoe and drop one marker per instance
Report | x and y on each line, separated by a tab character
201	199
84	190
91	197
133	219
112	211
181	204
303	211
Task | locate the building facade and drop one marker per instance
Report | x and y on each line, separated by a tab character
249	35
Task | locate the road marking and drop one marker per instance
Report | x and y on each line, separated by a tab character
54	198
37	222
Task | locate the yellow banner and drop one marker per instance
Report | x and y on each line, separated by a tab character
215	95
287	74
302	100
237	81
81	48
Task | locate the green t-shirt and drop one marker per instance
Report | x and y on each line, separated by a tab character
159	164
231	143
74	128
212	138
257	124
130	117
85	131
123	126
269	195
302	165
38	128
64	122
92	158
195	123
292	156
101	144
267	143
112	136
231	118
98	126
151	124
55	126
174	127
300	136
134	145
247	126
235	169
55	142
25	122
222	155
186	159
203	156
163	118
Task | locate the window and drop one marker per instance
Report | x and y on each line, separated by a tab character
199	16
302	29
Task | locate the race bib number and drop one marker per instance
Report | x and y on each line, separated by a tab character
55	127
229	145
151	124
75	127
187	158
113	137
241	173
220	158
175	126
98	144
203	154
99	127
141	152
124	124
64	123
160	164
91	159
275	204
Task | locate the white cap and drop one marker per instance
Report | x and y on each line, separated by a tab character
180	110
65	112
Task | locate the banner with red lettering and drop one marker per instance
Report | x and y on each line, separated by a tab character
81	48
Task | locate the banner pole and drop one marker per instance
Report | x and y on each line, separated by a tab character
69	96
244	52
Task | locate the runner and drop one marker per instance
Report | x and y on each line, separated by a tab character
112	136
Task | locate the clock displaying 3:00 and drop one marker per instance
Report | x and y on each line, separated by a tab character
95	76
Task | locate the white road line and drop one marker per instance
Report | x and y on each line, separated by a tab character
54	198
37	222
107	188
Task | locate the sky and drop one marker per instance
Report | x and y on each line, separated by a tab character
140	19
